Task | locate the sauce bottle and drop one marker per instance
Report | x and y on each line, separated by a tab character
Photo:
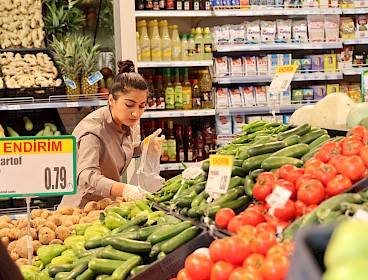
196	95
180	144
207	44
171	142
190	155
164	151
187	90
184	47
198	40
169	90
159	93
165	42
178	90
156	50
175	44
144	42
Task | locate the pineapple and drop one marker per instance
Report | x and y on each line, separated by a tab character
89	55
66	53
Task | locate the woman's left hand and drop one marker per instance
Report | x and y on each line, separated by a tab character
155	142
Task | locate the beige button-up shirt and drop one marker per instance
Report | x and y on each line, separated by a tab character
104	151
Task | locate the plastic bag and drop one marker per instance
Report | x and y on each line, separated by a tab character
149	169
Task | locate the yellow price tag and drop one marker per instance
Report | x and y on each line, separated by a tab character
221	160
286	69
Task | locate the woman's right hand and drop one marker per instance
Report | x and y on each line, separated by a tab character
131	192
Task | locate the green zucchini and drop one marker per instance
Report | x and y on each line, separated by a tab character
243	155
255	173
299	130
88	274
135	270
47	131
255	162
296	151
238	171
131	246
180	239
12	132
238	162
198	188
197	200
113	254
168	232
144	232
291	140
311	136
278	161
77	270
234	204
248	185
28	125
61	275
320	140
103	277
140	220
261	149
51	125
156	249
93	243
186	200
235	181
102	266
123	270
206	166
55	269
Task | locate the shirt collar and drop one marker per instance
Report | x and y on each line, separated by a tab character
107	115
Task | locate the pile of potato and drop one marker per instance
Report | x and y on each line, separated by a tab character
21	24
29	70
47	227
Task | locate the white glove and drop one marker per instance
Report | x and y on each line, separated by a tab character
131	192
155	143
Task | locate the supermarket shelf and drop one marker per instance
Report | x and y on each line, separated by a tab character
271	11
174	166
277	46
267	78
158	14
352	11
354	71
259	110
356	41
178	113
191	63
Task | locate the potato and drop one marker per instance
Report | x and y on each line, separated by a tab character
45	214
71	228
84	214
38	221
50	225
5	219
103	203
36	213
85	220
24	232
14	255
45	235
91	206
66	210
73	219
62	232
77	212
21	261
21	247
4	225
94	213
12	245
67	223
36	245
10	225
14	233
5	240
55	219
57	241
4	232
22	223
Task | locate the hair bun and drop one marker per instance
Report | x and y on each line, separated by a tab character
126	66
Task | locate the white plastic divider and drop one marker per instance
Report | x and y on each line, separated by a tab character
189	63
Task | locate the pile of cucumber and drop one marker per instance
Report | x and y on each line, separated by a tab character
263	147
128	251
49	129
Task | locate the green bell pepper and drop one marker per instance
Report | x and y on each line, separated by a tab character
62	260
47	253
69	253
114	220
81	228
44	275
122	211
74	240
95	231
29	272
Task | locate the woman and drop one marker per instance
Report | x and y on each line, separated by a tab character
104	141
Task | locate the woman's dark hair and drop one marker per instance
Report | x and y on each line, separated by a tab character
127	79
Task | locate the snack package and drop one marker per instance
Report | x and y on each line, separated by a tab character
283	31
347	28
345	58
284	59
330	63
222	97
236	99
306	65
236	66
361	26
250	65
309	4
347	4
285	97
261	96
319	91
316	29
238	121
355	92
221	66
297	96
221	35
262	68
317	63
248	95
308	94
344	88
268	31
253	32
332	23
298	62
223	125
331	88
273	62
300	31
237	34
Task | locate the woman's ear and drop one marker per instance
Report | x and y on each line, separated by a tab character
110	99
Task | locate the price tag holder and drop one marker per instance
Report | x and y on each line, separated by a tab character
192	172
37	166
361	215
14	107
219	174
72	104
278	198
94	78
70	82
282	79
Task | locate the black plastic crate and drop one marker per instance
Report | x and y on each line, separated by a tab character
310	246
5	203
2	90
18	202
36	92
46	202
14	119
360	186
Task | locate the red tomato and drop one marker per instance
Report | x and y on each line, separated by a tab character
311	192
294	175
198	266
364	155
329	150
260	192
285	169
272	220
338	184
223	217
286	213
357	130
335	161
304	177
242	273
235	224
279	249
283	225
259	207
183	275
350	148
352	167
312	164
247	230
252	217
299	208
221	270
325	173
266	178
265	227
237	250
352	138
217	249
263	242
310	208
285	185
254	260
275	267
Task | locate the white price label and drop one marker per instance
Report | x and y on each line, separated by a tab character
72	104
192	172
219	174
94	78
69	82
254	47
278	198
281	81
102	102
361	215
45	166
13	107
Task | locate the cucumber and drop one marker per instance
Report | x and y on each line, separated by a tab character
184	211
140	220
265	148
89	252
291	140
161	255
243	155
47	131
299	130
263	139
197	200
255	162
77	270
57	133
131	246
311	136
113	254
28	125
198	188
51	125
186	200
180	239
235	181
61	275
237	162
170	219
234	204
135	270
103	277
278	161
144	232
93	243
156	249
168	232
88	274
55	269
295	151
320	140
255	173
102	266
40	133
12	132
238	171
206	166
229	196
123	270
248	185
